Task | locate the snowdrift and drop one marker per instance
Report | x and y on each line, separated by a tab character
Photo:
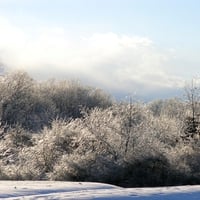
85	190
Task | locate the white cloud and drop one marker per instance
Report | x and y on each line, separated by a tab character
112	61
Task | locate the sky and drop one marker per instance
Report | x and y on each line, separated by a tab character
146	48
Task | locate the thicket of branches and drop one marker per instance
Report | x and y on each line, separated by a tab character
64	131
33	105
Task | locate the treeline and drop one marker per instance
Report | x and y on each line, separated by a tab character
59	130
33	105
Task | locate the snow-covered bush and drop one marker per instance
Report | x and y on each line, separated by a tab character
48	147
69	97
16	91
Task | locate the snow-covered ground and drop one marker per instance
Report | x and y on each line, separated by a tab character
82	190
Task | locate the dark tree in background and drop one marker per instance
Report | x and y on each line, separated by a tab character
192	120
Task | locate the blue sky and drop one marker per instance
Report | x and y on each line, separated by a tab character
143	47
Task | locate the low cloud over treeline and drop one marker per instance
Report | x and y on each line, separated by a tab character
136	63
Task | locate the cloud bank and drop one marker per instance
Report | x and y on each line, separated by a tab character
108	60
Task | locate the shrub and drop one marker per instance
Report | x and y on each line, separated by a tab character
15	98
